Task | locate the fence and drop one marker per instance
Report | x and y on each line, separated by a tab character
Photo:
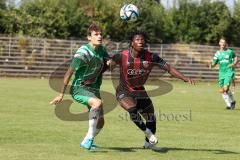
34	57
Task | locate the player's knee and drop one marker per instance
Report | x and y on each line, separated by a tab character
225	89
95	102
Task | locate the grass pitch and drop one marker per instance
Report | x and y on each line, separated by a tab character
192	124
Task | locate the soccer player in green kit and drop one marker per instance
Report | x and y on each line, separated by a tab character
227	61
88	65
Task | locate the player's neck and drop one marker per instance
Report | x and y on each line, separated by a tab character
134	53
94	46
223	49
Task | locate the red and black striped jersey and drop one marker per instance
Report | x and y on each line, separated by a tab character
134	71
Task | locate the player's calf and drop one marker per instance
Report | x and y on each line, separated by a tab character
136	118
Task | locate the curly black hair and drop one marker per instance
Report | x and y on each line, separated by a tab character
131	35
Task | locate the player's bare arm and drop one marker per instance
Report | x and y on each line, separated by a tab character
174	72
234	64
211	65
66	80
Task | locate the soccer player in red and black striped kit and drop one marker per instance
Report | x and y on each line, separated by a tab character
136	64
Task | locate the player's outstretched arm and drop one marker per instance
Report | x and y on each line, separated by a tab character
235	62
213	62
174	72
211	65
66	80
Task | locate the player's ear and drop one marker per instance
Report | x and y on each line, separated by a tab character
89	37
131	43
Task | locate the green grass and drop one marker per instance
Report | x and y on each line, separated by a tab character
30	129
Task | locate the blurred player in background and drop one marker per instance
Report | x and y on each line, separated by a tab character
136	64
88	66
227	61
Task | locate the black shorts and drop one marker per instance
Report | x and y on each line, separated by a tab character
141	97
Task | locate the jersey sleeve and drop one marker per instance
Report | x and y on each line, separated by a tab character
215	58
158	60
79	59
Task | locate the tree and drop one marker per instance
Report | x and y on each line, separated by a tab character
234	31
3	4
185	22
76	18
44	19
188	21
215	21
201	23
2	10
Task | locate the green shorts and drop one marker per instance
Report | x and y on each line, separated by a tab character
226	80
82	94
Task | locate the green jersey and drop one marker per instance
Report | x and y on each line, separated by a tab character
88	64
224	59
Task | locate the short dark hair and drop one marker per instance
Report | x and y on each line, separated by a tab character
137	32
93	27
223	38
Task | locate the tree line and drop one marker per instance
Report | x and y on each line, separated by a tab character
200	22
